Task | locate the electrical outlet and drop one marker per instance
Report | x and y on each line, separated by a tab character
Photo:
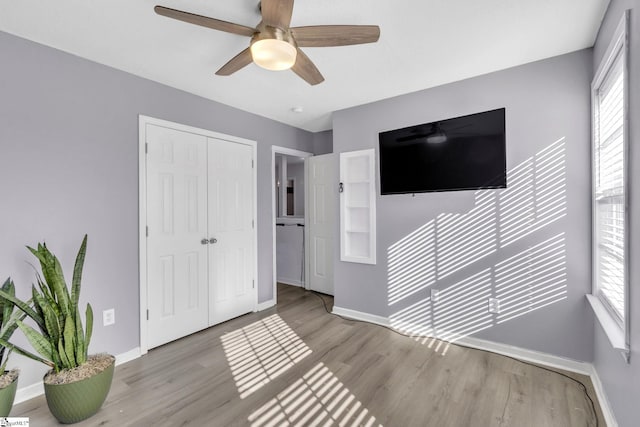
494	305
435	295
109	317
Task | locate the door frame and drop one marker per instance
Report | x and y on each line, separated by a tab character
143	121
275	149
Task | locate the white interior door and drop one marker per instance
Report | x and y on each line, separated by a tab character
321	184
177	289
230	214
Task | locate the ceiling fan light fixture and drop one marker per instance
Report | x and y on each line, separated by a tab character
273	54
437	138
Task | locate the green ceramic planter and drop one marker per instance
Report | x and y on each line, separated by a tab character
7	395
74	402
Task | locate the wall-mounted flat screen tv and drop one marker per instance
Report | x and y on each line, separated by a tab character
463	153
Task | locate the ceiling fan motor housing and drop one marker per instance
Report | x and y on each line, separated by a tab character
273	48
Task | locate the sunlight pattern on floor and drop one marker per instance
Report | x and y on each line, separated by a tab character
261	351
316	399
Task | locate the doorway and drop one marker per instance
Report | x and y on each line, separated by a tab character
304	219
289	217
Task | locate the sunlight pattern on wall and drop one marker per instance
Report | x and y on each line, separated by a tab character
460	311
536	194
415	320
532	279
483	254
316	399
535	198
262	351
464	239
411	263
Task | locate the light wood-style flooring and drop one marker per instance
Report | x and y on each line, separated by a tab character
295	364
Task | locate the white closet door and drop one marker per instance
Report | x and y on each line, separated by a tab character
231	229
321	182
177	288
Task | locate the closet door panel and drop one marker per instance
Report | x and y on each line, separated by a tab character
177	285
230	215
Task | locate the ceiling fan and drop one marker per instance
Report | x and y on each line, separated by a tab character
274	44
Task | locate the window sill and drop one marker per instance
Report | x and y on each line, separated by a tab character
611	328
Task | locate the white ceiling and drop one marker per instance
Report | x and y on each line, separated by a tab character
423	43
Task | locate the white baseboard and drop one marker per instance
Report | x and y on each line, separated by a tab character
29	392
607	412
266	304
543	359
292	282
34	390
359	315
538	357
128	356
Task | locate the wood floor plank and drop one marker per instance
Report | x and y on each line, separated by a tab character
295	364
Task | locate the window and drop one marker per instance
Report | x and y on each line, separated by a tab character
610	211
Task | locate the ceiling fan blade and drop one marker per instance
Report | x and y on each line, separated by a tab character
216	24
277	13
307	69
239	61
335	35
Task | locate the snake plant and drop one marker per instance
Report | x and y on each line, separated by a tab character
61	341
8	322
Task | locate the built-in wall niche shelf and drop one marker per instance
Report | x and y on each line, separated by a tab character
358	207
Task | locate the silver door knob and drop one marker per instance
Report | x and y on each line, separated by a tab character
204	241
213	240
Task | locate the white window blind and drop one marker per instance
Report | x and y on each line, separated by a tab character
609	188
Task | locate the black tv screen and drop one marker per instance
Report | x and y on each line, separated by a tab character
464	153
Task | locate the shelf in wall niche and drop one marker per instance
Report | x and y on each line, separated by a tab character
357	207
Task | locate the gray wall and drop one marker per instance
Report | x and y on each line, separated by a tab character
621	381
323	142
69	166
546	102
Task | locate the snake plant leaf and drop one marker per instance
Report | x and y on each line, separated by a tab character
81	353
60	287
69	340
43	288
57	363
7	308
65	363
25	308
87	340
77	275
53	275
25	353
61	342
10	325
34	297
53	329
37	341
3	367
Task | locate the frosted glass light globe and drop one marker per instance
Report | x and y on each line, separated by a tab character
273	54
